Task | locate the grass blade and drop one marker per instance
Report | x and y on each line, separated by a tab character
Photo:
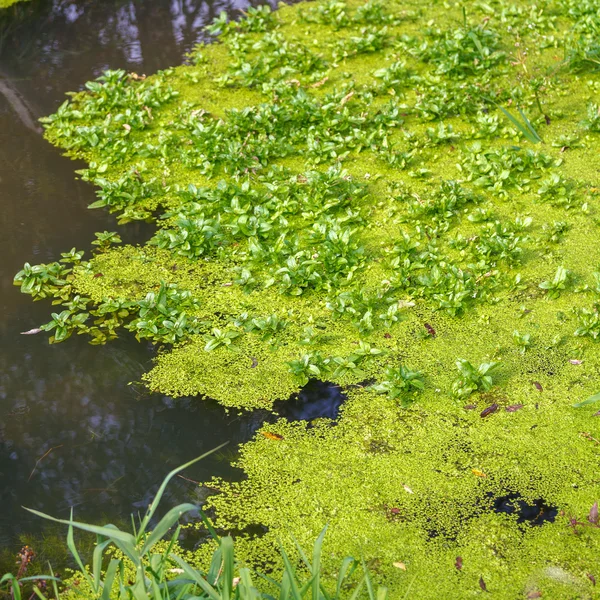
208	589
591	400
16	589
109	579
348	567
165	524
289	569
228	567
527	130
161	490
316	566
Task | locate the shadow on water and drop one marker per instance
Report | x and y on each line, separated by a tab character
316	400
536	513
72	431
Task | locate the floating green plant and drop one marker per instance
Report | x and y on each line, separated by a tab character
342	191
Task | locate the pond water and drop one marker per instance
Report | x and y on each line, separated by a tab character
73	432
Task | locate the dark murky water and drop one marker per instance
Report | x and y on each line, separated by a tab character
72	431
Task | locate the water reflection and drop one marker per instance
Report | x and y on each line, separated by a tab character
72	431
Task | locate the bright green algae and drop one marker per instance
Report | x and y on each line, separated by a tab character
359	202
7	3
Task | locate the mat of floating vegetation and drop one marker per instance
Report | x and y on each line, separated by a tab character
397	199
7	3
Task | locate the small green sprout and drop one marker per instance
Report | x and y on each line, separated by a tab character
105	239
557	284
522	340
472	379
401	382
218	338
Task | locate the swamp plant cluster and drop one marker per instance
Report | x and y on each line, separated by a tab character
402	200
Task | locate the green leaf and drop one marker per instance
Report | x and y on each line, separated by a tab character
165	524
316	566
16	590
525	128
228	567
195	576
109	578
591	400
161	490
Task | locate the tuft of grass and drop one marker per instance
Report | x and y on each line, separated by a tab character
144	565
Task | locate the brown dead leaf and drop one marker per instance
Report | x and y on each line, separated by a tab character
486	412
346	98
272	436
320	83
400	565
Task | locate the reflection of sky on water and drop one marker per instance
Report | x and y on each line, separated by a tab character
106	444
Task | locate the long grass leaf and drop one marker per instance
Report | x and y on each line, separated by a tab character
534	138
165	524
97	562
358	589
163	486
346	570
109	579
14	585
316	566
73	550
106	530
534	133
382	593
368	581
591	400
292	575
409	587
228	567
195	576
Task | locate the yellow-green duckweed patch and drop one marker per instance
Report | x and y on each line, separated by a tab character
399	199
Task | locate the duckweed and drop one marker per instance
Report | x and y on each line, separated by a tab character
342	191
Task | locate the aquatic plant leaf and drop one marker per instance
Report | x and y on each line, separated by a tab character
525	127
591	400
163	526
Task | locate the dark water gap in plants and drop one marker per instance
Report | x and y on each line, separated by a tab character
72	431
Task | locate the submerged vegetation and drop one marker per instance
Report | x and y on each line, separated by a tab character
402	201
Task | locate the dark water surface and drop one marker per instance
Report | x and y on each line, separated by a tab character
72	431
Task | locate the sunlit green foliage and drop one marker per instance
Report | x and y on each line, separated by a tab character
368	194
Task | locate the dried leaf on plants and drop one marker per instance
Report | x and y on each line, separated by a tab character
482	584
593	516
514	407
486	412
478	473
458	563
272	436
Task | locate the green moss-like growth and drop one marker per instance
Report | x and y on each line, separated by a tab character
395	198
7	3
